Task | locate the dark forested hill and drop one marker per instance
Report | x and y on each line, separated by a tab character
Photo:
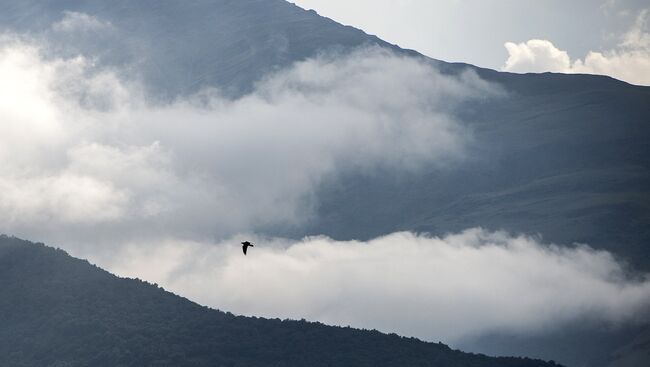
56	310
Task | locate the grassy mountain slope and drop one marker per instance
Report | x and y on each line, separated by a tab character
56	310
565	156
179	47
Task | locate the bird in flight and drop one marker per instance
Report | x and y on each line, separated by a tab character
245	246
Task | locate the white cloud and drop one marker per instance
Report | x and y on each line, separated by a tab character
536	56
63	198
450	288
83	152
629	62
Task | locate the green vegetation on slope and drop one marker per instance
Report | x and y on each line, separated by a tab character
58	311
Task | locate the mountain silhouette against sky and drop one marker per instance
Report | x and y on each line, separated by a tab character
563	156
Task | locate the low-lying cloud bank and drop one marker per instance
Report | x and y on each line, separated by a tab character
629	62
452	288
84	155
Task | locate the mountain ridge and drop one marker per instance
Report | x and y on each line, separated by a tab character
60	311
563	156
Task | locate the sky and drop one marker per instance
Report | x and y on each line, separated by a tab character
584	36
165	191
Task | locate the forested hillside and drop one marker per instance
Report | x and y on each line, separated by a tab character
56	310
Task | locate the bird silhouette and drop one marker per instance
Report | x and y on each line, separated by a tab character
245	246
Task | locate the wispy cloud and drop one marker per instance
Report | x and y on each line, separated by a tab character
82	150
79	22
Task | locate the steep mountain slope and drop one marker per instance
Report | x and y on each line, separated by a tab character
59	311
565	156
179	47
636	353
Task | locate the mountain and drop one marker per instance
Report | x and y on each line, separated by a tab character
633	354
563	156
56	310
179	47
